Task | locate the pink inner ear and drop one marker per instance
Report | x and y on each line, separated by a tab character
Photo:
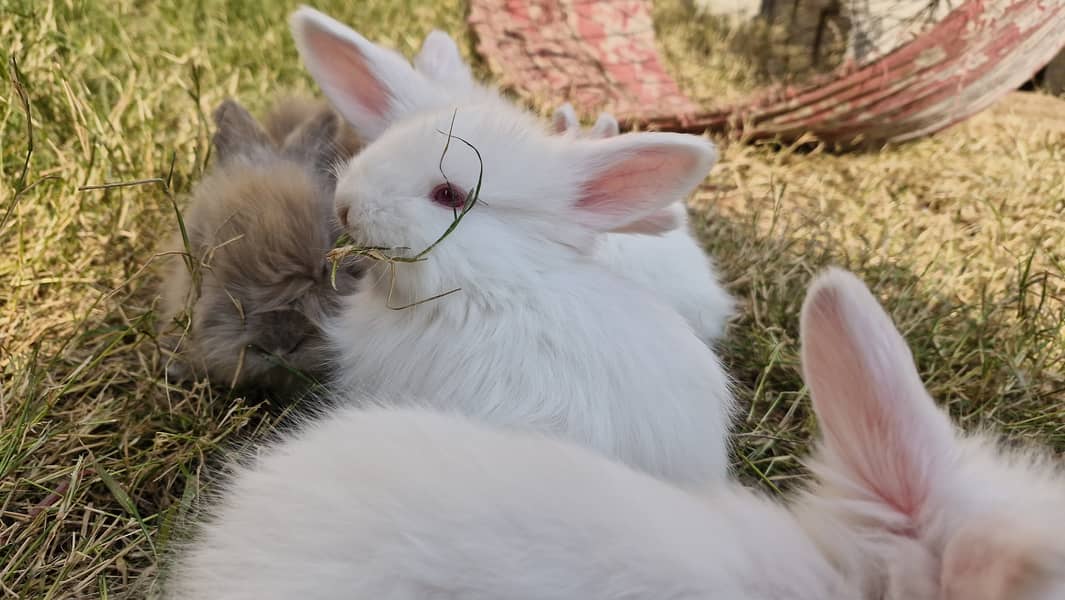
876	417
634	184
347	71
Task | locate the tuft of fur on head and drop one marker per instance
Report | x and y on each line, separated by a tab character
914	509
259	226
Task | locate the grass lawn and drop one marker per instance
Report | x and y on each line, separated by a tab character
962	236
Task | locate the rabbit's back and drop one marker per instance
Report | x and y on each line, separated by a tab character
580	353
406	504
675	268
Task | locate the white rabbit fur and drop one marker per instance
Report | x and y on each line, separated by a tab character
541	335
411	505
673	264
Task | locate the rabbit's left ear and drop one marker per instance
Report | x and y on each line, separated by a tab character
627	182
371	86
565	119
237	132
879	426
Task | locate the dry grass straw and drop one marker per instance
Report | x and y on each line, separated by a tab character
100	455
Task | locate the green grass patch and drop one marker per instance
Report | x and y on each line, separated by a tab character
960	235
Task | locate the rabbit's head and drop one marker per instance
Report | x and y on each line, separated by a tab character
924	512
259	227
540	194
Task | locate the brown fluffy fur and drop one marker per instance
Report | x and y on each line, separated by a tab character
250	310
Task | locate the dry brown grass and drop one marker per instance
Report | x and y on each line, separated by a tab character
961	235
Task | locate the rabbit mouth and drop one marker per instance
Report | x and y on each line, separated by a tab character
367	237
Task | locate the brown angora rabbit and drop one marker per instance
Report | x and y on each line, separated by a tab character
259	227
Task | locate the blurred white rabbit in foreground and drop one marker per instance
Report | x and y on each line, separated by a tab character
405	504
541	336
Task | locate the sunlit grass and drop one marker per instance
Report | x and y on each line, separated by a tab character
961	236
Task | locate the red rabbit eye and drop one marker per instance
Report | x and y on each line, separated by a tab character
448	195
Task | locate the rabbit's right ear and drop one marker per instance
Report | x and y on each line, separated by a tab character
238	133
371	86
879	426
440	60
316	142
624	180
605	126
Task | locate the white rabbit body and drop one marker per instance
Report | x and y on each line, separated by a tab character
541	336
410	505
675	268
406	504
672	264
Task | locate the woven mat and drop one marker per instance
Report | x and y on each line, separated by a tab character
601	55
595	54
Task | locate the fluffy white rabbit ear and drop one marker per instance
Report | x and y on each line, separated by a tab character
626	179
440	60
565	119
605	126
370	85
878	423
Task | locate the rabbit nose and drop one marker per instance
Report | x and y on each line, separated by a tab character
342	214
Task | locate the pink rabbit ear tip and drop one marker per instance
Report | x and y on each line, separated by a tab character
838	281
566	110
305	17
828	285
706	153
302	14
839	296
438	36
715	154
834	277
564	118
